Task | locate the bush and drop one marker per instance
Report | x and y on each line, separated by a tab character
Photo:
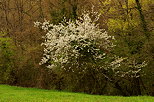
6	59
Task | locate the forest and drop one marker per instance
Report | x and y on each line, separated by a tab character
103	47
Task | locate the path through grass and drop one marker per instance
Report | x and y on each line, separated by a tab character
18	94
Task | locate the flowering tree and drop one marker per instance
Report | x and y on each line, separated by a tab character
81	47
76	42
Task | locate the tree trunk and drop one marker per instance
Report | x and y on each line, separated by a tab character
142	18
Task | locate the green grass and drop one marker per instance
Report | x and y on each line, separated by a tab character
19	94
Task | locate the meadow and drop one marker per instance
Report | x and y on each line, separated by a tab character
20	94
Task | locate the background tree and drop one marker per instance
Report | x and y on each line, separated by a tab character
124	18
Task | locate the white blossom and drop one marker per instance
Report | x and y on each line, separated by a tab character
68	41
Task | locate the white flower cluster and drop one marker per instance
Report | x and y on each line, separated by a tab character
116	63
134	70
73	39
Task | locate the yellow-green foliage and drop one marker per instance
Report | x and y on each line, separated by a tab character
6	53
119	25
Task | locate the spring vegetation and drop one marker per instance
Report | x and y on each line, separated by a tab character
18	94
103	47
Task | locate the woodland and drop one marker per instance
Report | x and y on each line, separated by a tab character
103	47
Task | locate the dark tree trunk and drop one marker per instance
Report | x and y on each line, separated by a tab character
136	89
142	18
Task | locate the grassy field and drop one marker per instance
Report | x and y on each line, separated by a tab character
18	94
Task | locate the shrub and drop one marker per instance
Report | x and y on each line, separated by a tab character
6	59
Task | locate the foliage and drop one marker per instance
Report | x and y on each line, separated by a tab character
6	60
125	21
